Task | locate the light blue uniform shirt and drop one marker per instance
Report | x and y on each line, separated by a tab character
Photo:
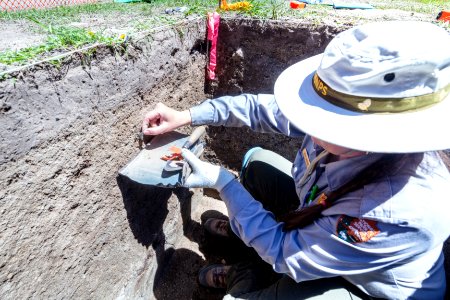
386	238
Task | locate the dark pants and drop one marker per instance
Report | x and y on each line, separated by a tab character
267	176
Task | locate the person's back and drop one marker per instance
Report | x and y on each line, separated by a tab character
381	236
414	208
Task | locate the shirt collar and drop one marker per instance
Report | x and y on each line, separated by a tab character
340	172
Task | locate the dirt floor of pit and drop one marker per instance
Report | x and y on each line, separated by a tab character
178	279
196	249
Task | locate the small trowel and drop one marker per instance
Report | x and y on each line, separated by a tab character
192	145
149	168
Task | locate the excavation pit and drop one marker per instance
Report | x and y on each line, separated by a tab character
73	228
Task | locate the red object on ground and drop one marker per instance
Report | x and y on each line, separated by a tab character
297	4
444	16
213	32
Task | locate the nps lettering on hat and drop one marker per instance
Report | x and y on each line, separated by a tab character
373	104
377	87
364	71
320	86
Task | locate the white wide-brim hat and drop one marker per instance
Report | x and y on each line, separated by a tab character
378	87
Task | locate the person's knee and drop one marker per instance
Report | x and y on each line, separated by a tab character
248	158
262	162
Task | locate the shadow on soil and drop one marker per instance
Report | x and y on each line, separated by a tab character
177	269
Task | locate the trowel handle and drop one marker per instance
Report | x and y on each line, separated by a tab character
195	136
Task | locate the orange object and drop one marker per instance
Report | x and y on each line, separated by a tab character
175	155
297	4
175	149
242	5
444	16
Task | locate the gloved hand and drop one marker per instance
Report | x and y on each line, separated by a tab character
205	174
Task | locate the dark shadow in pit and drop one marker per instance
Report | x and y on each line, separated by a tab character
147	210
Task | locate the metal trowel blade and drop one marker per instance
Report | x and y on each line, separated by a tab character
173	166
148	167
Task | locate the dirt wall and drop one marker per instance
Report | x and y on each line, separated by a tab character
252	54
66	229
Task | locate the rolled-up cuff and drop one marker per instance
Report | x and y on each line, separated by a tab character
202	114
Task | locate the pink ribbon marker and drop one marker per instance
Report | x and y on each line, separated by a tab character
213	32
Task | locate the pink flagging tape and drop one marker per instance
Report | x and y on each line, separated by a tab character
213	32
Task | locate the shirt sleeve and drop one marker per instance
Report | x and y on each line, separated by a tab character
259	112
315	251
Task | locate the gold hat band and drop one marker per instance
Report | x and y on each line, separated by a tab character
376	105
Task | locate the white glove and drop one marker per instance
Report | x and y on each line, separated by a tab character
205	174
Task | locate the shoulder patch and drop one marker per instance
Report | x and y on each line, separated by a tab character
355	230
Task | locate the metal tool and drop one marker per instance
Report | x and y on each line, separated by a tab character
148	168
192	145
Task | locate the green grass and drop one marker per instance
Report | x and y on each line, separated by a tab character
61	37
417	6
63	14
143	16
53	23
261	8
58	38
70	13
439	2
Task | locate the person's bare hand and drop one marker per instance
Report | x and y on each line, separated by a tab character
164	119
